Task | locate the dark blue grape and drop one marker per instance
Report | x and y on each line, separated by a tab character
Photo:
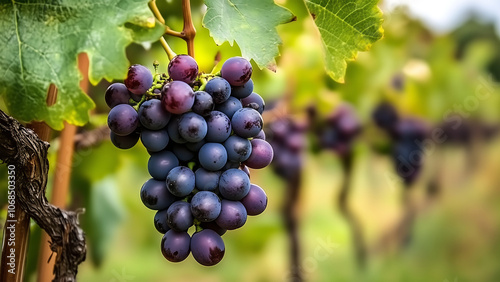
254	98
173	130
207	180
195	147
124	142
179	216
229	107
192	127
123	119
161	163
160	221
175	245
183	153
207	247
255	201
233	215
212	156
180	181
247	122
203	103
177	97
236	70
139	79
261	135
155	195
205	206
219	127
117	93
219	88
153	115
234	184
238	149
183	68
243	91
261	156
213	226
154	140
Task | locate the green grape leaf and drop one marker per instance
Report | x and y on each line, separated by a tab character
346	27
252	24
39	44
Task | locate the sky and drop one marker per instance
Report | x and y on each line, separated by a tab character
445	15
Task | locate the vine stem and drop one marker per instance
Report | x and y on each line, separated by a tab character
291	223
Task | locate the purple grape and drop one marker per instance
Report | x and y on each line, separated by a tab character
139	79
161	163
153	115
205	206
154	140
233	215
155	195
247	122
236	70
183	68
124	142
261	135
179	216
180	181
229	107
192	127
123	119
219	88
203	103
175	245
243	91
254	98
207	180
245	169
385	116
213	226
173	130
218	127
160	221
234	184
212	156
238	149
261	156
207	247
117	93
177	97
255	201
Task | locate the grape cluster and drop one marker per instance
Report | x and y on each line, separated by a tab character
202	132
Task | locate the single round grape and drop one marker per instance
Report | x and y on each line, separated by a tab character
243	91
180	181
153	115
195	147
175	245
123	119
236	70
205	206
212	156
233	215
154	140
161	163
385	116
234	184
229	107
173	130
124	142
203	103
179	216
261	135
207	247
139	79
261	156
213	226
238	149
183	153
155	195
247	122
206	180
255	201
183	68
219	88
254	98
192	127
177	97
218	127
160	221
117	93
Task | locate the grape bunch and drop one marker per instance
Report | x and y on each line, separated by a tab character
203	132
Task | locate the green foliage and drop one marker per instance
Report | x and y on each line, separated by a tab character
40	41
252	24
346	27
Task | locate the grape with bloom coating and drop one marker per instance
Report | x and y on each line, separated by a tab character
123	119
207	247
139	79
255	201
177	97
175	245
236	70
183	68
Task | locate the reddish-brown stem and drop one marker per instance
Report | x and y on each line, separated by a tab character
188	30
21	220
